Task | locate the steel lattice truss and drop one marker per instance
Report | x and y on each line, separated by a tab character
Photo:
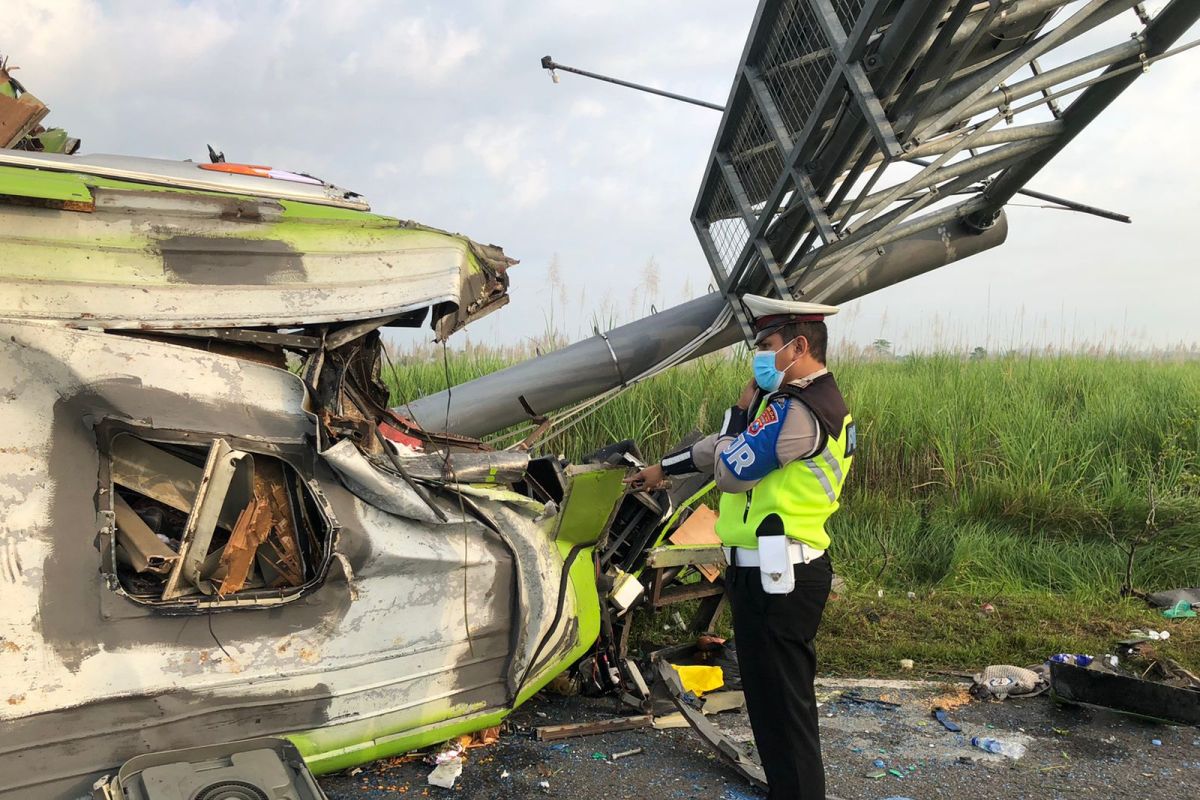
855	123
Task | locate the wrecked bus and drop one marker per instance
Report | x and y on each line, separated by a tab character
212	527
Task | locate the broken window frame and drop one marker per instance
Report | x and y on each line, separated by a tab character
315	514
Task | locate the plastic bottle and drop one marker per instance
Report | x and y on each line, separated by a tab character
1078	659
1008	749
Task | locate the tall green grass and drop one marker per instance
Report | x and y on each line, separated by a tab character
991	475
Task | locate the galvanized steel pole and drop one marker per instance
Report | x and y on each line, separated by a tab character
595	365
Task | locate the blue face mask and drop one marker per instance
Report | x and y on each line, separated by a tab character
766	374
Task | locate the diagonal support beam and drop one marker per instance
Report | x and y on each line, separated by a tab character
766	104
760	245
1041	45
814	207
1170	24
856	78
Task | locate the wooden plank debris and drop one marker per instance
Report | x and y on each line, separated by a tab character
700	528
249	532
549	733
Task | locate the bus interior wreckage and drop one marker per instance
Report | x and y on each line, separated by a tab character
215	528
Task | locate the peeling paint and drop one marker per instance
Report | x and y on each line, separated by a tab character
413	626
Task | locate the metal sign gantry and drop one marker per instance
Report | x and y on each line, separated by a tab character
848	117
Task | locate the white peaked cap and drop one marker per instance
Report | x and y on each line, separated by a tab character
760	306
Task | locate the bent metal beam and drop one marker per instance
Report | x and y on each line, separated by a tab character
603	362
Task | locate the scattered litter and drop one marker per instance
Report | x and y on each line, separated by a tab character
699	679
877	774
897	797
1156	742
626	753
1181	610
444	775
1147	635
504	773
600	756
717	702
482	738
1078	659
561	747
1173	597
876	704
912	595
452	753
896	772
668	721
940	715
734	793
955	698
987	608
544	785
1013	750
879	762
1004	680
906	663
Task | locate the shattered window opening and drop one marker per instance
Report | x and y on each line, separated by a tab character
198	526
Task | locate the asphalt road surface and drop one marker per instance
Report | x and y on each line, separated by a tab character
1070	753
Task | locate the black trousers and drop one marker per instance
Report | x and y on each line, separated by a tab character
774	635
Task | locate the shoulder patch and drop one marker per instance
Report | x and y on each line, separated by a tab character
769	416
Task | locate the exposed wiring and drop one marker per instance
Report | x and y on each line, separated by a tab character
214	637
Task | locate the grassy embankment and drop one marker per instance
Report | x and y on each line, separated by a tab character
1019	481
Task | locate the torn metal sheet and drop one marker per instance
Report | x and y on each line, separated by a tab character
146	552
223	463
174	269
384	490
441	625
155	473
730	751
499	466
185	175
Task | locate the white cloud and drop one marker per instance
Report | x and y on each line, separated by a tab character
588	108
440	159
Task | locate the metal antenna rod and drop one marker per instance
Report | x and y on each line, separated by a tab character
1069	205
549	64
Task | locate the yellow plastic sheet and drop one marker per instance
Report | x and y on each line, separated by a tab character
699	679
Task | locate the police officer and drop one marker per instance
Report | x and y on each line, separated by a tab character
780	472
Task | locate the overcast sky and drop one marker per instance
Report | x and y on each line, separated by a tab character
439	112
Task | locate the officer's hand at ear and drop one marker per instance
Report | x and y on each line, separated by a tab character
748	395
651	477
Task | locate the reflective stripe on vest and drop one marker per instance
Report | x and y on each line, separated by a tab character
804	493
